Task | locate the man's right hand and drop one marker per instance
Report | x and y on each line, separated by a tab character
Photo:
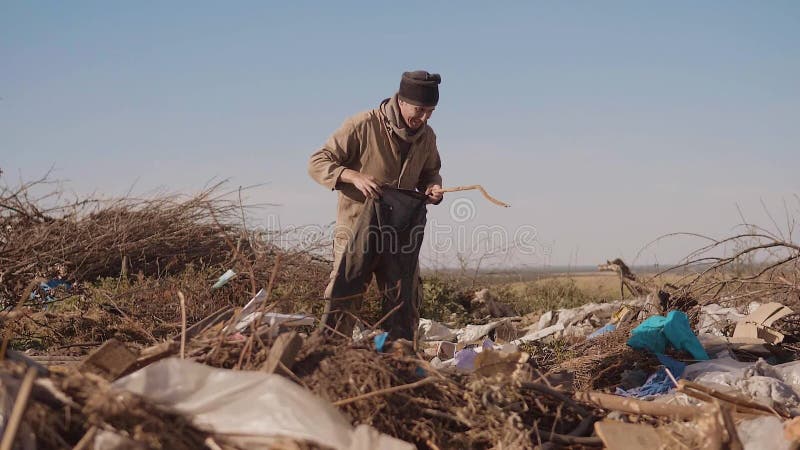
367	184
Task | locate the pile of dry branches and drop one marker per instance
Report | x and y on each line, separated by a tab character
88	239
127	258
756	265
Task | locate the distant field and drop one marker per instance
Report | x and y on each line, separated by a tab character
535	292
596	286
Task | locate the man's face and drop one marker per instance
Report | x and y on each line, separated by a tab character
415	116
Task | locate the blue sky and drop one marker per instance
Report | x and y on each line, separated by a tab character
604	124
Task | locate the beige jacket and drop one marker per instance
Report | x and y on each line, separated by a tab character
363	144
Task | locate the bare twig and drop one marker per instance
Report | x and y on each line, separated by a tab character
389	390
183	324
471	187
19	408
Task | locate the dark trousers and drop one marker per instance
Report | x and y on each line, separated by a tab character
385	242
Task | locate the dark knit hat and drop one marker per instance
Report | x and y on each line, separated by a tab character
420	88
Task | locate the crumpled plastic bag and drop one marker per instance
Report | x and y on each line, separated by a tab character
430	330
771	385
764	432
252	404
657	331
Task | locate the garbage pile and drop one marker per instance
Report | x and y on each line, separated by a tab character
254	378
617	375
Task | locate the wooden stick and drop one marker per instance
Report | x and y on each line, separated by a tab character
183	324
544	389
734	443
472	187
634	406
569	440
688	387
390	390
272	276
87	439
18	410
703	397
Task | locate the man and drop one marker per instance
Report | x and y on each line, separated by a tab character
376	160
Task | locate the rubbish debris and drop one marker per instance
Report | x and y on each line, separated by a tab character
430	330
224	278
485	304
249	408
658	383
380	341
44	294
757	326
657	331
601	331
627	436
109	361
251	313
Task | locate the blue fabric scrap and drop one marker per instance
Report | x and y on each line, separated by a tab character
659	382
47	289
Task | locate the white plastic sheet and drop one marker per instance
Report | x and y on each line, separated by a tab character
251	405
762	433
536	335
715	318
760	381
430	330
251	312
578	321
473	333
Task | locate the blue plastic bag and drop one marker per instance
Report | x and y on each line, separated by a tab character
601	331
380	341
657	331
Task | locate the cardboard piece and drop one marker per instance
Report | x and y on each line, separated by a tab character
627	436
283	353
152	354
110	360
446	350
491	362
756	325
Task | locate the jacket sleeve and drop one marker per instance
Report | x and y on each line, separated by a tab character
430	170
327	164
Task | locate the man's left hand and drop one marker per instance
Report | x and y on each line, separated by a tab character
435	194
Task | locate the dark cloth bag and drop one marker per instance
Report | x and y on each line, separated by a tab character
385	241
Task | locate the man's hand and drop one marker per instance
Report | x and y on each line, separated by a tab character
367	184
434	193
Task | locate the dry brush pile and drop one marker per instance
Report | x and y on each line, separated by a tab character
120	262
